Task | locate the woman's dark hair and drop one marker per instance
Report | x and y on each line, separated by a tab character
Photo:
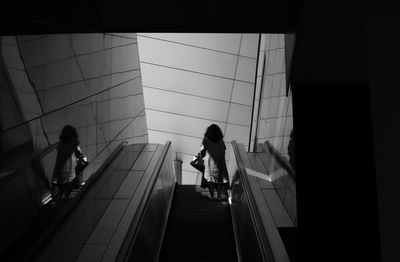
214	133
68	134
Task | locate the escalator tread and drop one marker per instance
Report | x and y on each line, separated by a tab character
198	229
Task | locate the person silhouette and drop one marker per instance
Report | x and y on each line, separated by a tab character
68	152
215	171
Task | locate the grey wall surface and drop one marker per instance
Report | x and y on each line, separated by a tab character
90	81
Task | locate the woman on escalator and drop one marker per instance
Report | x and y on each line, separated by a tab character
215	172
69	154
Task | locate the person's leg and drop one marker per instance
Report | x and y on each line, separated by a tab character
219	190
61	190
211	188
68	189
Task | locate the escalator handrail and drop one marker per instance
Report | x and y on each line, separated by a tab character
262	238
125	250
72	204
282	161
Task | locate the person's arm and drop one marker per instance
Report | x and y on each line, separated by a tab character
203	148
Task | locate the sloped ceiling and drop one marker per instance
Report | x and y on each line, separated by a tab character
193	80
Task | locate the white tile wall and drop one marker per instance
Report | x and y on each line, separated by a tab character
186	105
239	114
243	93
186	82
249	41
246	69
188	58
186	112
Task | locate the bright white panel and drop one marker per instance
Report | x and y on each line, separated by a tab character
61	72
239	114
282	106
269	107
262	128
188	58
178	124
11	57
246	69
243	93
125	58
268	81
184	104
280	58
183	144
289	125
56	47
189	178
275	127
238	133
186	82
276	142
126	107
261	63
249	45
276	85
285	146
85	43
281	38
221	42
290	108
263	42
95	64
282	87
271	62
273	44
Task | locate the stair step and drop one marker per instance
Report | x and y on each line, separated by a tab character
198	229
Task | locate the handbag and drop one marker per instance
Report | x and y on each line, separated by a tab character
198	163
81	164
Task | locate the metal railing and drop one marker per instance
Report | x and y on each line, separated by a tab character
153	200
242	196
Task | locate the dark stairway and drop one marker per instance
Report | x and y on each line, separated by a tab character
198	229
